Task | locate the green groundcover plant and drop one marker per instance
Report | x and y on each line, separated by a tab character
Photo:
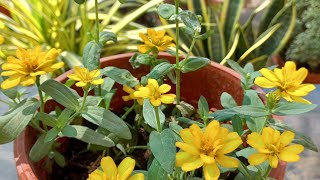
180	141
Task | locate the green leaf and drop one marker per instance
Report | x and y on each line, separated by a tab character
166	11
256	124
14	122
91	55
274	7
149	114
222	115
186	109
160	70
251	98
251	110
121	76
64	118
237	124
106	36
163	148
235	66
11	93
40	149
203	107
176	128
227	101
189	121
51	135
156	172
299	138
246	152
140	59
292	108
60	93
91	101
107	120
190	20
90	136
230	18
244	171
59	159
193	64
46	119
69	131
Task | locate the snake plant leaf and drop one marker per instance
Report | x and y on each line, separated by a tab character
216	42
287	18
91	55
14	122
230	17
274	7
243	45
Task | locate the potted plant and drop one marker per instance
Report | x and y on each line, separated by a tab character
160	131
302	48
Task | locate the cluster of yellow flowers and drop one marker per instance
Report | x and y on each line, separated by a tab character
209	148
152	91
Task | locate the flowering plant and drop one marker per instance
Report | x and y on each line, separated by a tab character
159	136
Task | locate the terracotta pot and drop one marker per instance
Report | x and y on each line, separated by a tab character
313	78
210	81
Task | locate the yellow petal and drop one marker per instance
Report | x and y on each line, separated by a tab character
279	73
268	74
38	73
231	142
125	168
289	67
273	161
127	89
263	82
211	171
10	82
255	140
154	83
167	98
289	156
109	167
73	77
97	81
207	159
192	165
267	135
196	131
188	148
286	96
138	176
227	162
257	158
126	98
300	100
301	90
8	73
94	73
57	66
143	48
286	137
96	175
184	157
143	92
300	75
186	136
81	84
140	101
27	81
155	102
295	148
144	37
212	129
164	88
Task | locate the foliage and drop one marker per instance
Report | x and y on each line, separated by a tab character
303	48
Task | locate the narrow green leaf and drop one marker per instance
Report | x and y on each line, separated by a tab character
60	93
156	172
59	159
235	66
91	55
149	114
189	121
64	117
256	124
91	101
107	120
90	136
203	107
106	36
160	70
237	124
40	149
193	64
163	148
190	20
46	119
251	110
251	97
14	122
51	135
140	59
121	76
292	108
246	152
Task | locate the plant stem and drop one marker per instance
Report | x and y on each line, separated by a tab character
158	119
97	21
41	99
268	171
177	54
128	111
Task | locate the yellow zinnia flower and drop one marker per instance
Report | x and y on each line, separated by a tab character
1	39
30	63
207	149
155	39
130	91
155	93
85	77
272	146
110	171
288	82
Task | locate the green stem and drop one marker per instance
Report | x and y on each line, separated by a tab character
36	126
177	54
191	47
86	92
158	119
128	111
268	171
41	99
97	21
